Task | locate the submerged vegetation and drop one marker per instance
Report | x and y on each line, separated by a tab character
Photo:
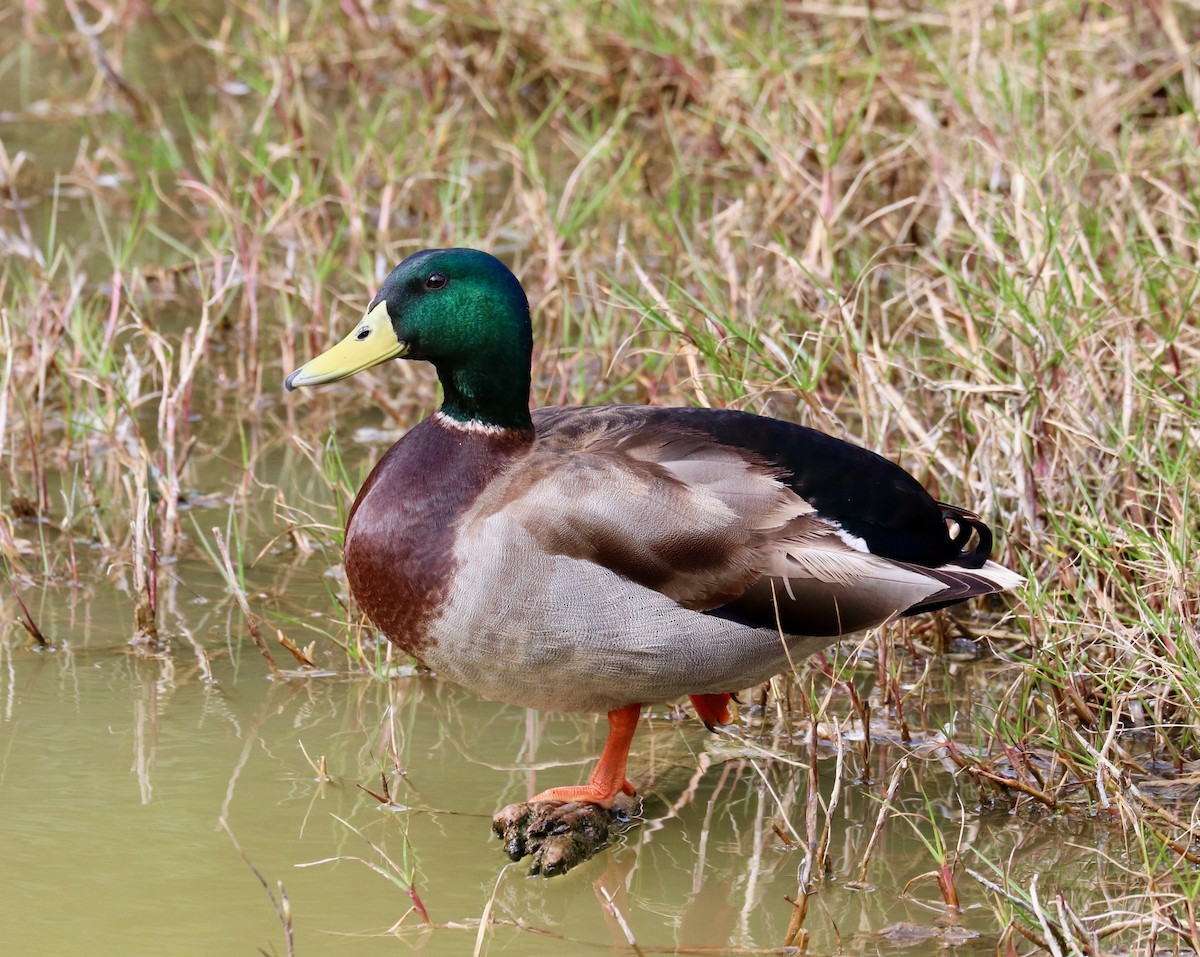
964	235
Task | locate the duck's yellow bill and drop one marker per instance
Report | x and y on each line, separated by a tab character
373	341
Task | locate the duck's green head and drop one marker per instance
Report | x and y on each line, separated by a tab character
460	309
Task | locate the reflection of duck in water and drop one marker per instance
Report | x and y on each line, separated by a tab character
600	559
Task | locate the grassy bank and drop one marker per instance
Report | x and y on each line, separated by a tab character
964	235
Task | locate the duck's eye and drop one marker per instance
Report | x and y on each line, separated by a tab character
363	333
436	281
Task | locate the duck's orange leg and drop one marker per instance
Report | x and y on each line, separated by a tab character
712	709
608	780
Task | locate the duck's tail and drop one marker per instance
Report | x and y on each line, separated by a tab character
969	533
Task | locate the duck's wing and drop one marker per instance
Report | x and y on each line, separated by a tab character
717	524
871	498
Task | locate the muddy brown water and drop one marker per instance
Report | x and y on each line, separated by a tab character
117	771
143	798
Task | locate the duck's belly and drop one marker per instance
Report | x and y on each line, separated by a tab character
569	635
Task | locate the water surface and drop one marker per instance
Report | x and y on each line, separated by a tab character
118	769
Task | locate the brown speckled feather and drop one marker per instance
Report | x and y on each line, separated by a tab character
671	511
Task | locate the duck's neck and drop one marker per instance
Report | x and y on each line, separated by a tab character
495	396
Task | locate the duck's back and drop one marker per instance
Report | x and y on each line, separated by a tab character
870	496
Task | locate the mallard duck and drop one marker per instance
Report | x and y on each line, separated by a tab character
601	559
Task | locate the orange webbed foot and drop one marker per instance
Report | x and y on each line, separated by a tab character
608	780
562	827
590	793
712	709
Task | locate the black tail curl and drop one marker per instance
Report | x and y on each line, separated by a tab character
972	538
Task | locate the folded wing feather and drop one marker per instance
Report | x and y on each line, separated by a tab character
712	527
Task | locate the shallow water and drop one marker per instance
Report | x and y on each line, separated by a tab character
117	771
